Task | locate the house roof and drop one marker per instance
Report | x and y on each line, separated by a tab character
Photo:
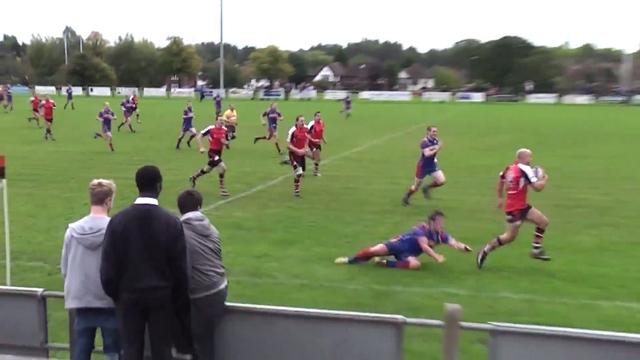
417	71
337	68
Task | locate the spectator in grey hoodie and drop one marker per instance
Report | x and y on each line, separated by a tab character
80	265
207	277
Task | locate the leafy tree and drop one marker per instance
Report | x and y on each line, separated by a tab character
390	73
299	64
410	57
499	57
179	59
316	58
86	69
446	78
233	76
12	69
135	62
271	63
46	58
541	67
96	45
341	56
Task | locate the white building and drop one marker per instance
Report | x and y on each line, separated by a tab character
331	73
416	77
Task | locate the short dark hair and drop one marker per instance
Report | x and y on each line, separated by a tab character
431	127
149	179
189	200
436	214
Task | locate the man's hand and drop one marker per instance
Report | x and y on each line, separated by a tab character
500	203
439	258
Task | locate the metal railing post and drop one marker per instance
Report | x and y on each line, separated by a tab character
452	315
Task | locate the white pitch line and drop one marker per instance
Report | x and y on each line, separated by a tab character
28	263
418	290
288	175
443	290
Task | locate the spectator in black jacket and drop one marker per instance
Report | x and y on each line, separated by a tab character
144	269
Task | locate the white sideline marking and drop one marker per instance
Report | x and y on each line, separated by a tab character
329	160
28	263
444	290
419	290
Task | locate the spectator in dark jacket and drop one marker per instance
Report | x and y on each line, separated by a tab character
80	265
144	269
207	276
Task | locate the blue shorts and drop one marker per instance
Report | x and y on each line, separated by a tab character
401	249
9	98
423	170
186	126
273	127
106	128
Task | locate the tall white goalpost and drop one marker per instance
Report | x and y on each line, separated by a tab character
5	208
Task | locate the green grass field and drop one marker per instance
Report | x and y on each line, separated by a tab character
279	250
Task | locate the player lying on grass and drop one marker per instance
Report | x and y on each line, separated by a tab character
407	247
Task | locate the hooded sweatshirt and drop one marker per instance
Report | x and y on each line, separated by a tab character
204	255
80	264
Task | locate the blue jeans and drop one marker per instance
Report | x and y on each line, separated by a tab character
87	321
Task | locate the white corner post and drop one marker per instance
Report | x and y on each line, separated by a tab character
452	316
5	208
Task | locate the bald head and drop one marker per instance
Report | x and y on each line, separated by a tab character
524	156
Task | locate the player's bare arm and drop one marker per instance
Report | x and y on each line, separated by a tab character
541	183
199	140
424	244
296	150
430	151
500	192
459	245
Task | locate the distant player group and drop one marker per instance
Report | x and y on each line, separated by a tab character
44	109
305	141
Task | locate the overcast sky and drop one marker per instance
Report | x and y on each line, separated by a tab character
294	24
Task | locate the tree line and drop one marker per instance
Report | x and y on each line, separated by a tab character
505	63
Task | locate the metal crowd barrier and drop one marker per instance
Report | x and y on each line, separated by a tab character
268	333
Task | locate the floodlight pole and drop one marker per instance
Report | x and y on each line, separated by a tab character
81	41
66	58
221	53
